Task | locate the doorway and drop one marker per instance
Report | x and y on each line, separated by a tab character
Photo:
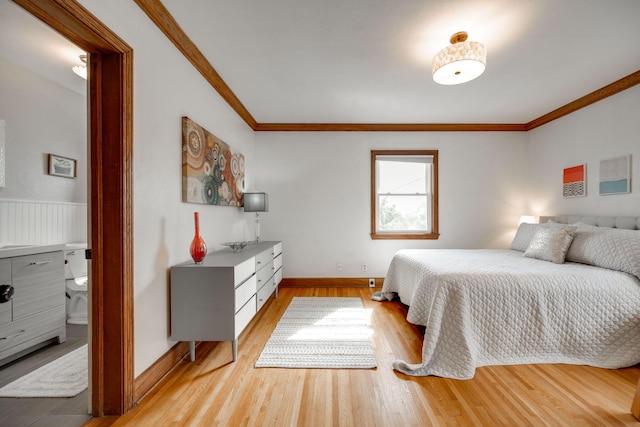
110	125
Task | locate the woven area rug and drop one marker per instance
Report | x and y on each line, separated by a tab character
66	376
316	332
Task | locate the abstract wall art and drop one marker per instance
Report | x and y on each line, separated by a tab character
615	175
212	172
574	181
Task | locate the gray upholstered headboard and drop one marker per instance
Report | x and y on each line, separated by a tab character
626	222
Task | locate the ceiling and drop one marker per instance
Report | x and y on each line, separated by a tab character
369	61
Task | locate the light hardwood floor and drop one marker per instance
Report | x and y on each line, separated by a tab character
213	391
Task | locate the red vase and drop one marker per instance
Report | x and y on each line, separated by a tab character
198	247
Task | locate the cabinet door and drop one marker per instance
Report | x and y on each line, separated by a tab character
38	281
5	279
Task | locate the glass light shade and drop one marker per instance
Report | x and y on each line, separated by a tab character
256	202
459	63
80	70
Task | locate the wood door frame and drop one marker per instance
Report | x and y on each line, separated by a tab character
110	101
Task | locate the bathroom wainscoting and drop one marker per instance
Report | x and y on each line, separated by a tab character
42	223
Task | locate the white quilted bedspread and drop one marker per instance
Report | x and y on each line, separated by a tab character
497	307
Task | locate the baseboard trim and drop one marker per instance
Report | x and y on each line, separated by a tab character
329	282
149	378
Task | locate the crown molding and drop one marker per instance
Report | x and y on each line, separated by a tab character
591	98
389	127
156	11
160	16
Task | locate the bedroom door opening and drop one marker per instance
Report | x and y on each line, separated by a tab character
110	129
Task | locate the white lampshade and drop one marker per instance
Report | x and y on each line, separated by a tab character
256	202
460	62
529	219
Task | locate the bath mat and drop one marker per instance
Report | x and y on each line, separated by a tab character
318	332
66	376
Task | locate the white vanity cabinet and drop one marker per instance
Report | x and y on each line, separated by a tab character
216	300
32	299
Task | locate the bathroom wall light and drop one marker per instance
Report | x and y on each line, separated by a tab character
460	62
81	70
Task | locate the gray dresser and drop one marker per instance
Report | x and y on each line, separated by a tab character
32	301
216	300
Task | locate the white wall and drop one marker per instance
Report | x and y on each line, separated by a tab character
41	117
167	87
606	129
319	195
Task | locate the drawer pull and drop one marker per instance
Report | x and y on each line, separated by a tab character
6	293
22	331
48	261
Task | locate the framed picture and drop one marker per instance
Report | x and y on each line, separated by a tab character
574	181
615	175
62	166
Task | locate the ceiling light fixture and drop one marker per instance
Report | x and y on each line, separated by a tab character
461	62
81	70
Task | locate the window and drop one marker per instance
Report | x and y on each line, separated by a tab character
404	194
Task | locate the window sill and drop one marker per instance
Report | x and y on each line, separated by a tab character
408	236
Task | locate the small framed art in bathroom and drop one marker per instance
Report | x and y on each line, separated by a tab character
62	166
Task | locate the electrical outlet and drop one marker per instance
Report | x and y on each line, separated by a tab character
339	266
372	283
364	267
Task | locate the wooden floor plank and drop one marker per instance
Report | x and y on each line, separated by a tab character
214	391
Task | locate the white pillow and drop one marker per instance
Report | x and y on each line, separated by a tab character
550	243
523	236
612	248
582	247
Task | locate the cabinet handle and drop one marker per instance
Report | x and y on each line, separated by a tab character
6	293
258	263
48	261
22	331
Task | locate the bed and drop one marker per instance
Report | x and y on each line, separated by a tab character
571	298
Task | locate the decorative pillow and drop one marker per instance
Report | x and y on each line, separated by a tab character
550	243
523	236
612	248
582	247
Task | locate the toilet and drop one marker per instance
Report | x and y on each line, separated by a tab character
75	272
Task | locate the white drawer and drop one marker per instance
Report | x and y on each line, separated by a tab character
277	262
277	249
244	292
243	270
277	278
264	294
244	316
264	274
263	258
